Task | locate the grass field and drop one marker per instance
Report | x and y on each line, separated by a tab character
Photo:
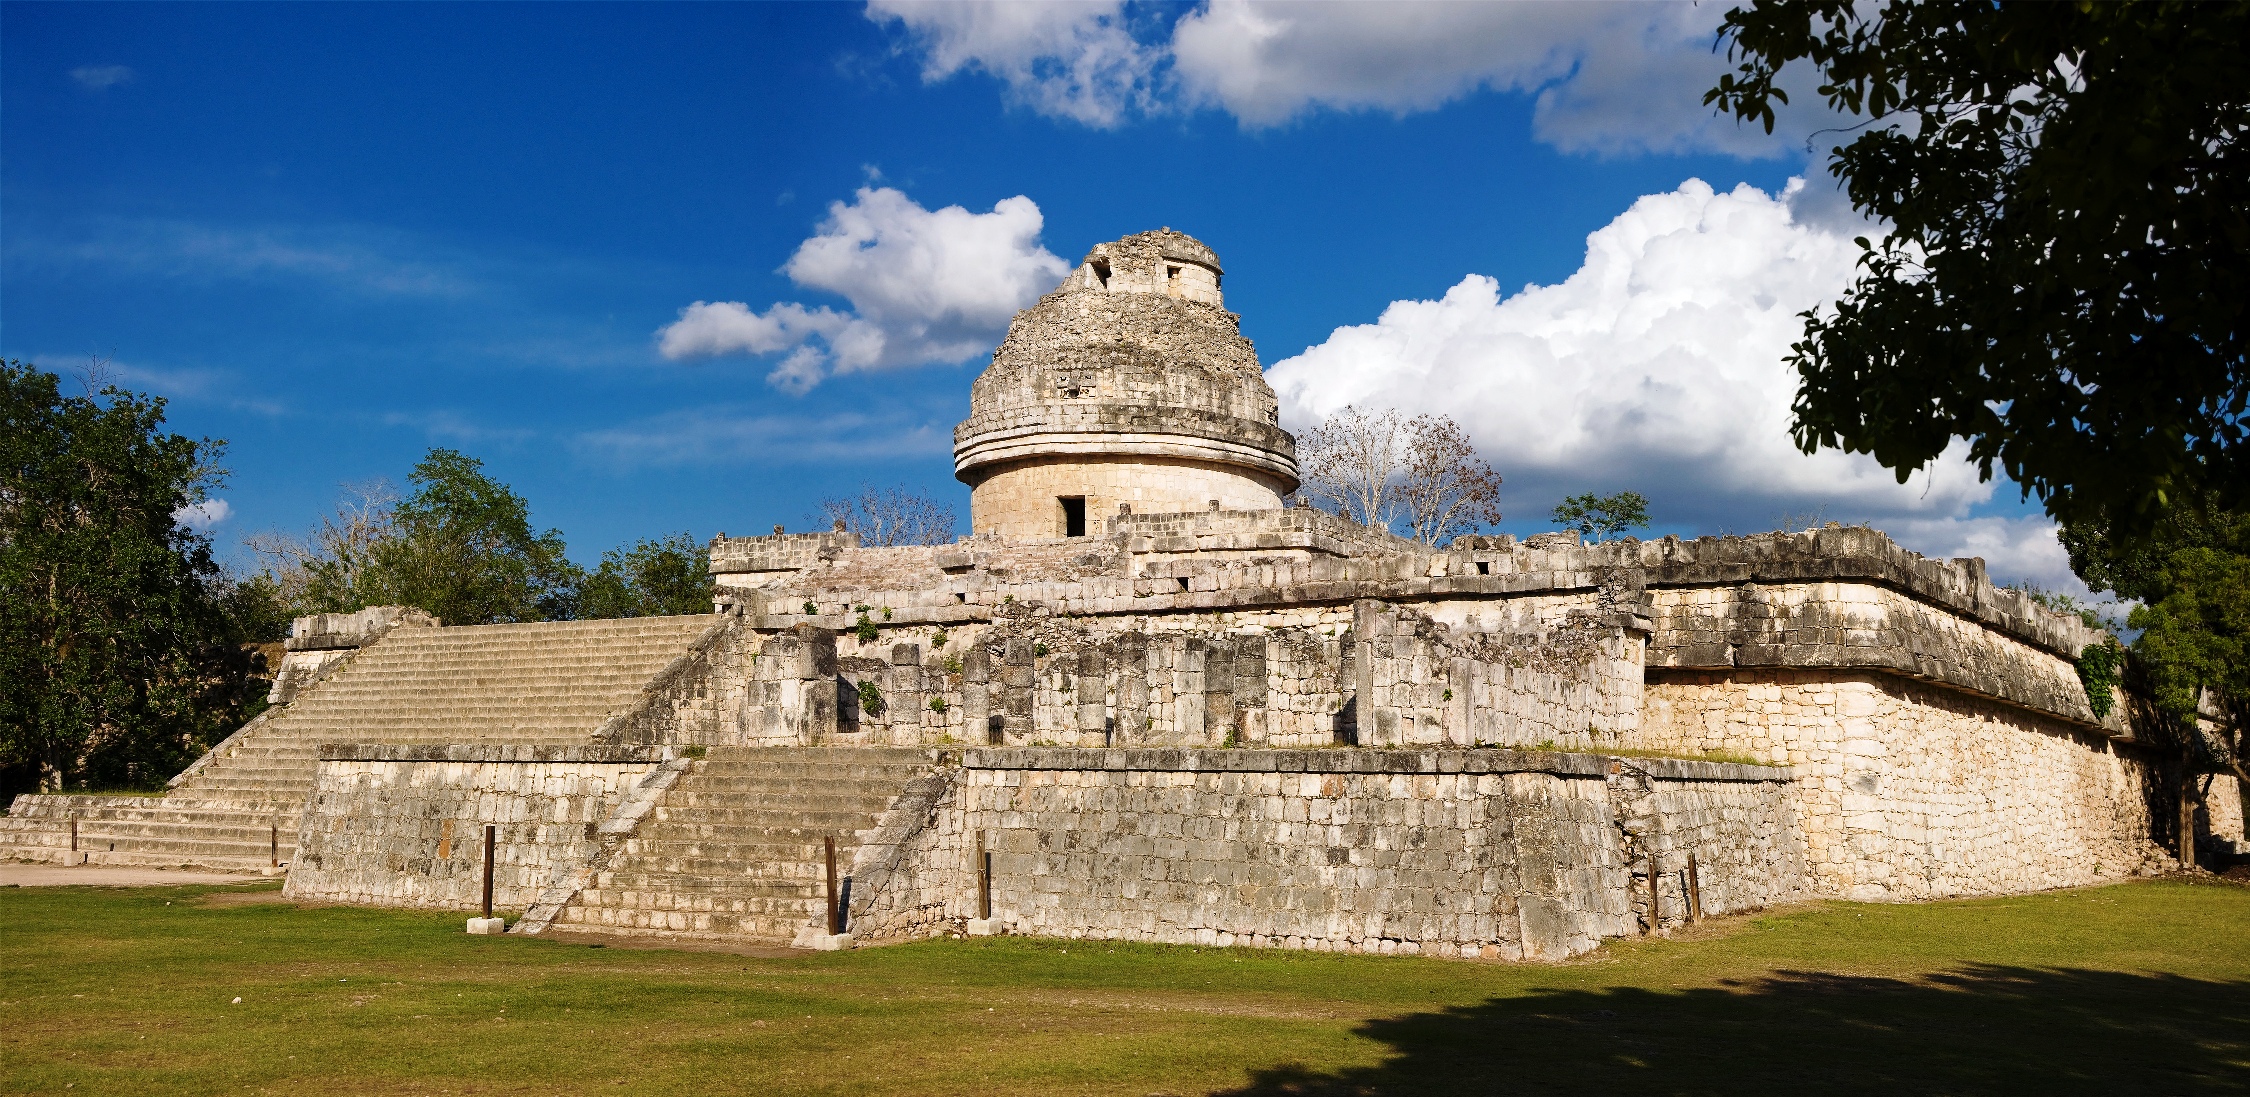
2139	988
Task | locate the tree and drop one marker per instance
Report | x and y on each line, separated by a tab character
460	546
1380	469
2190	575
2064	282
465	550
1599	516
118	657
1445	488
1348	462
327	570
670	575
891	516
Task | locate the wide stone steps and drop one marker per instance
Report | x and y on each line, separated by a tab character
736	848
209	813
659	894
547	684
109	842
730	870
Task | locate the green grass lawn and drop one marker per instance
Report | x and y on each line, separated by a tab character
2139	988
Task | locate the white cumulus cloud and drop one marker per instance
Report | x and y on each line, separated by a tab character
1607	78
1066	59
1658	367
203	515
925	286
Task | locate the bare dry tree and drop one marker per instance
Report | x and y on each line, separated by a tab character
1348	463
330	559
891	516
1444	487
1381	469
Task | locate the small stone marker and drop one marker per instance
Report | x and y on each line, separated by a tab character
488	925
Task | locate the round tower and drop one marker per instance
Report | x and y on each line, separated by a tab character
1130	384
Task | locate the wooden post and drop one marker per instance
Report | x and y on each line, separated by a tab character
984	879
74	834
1694	890
1655	890
835	916
2187	818
273	844
488	832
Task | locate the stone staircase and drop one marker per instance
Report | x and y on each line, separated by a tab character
734	848
544	684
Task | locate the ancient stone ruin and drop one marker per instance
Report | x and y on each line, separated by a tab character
1143	700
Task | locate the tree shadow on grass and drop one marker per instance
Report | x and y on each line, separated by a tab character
1976	1030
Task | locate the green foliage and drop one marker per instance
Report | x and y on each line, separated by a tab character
460	545
466	551
2060	602
1039	648
671	575
1600	516
953	664
120	657
871	698
865	630
2190	572
937	637
937	704
811	610
2064	280
2100	669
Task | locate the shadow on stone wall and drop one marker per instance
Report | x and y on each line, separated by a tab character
1980	1030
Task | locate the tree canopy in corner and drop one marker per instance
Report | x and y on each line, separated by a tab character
2067	267
118	657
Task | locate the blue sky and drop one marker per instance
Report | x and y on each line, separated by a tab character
338	235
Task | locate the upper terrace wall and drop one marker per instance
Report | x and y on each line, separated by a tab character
1838	598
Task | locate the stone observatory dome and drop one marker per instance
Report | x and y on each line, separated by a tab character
1129	385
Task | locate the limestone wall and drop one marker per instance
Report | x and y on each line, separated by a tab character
1206	628
2226	803
1477	853
1421	682
404	826
1913	791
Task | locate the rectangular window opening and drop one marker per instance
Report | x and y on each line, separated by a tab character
1484	567
1183	583
1101	272
1074	515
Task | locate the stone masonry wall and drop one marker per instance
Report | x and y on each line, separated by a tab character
1911	791
1459	853
404	826
1421	682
